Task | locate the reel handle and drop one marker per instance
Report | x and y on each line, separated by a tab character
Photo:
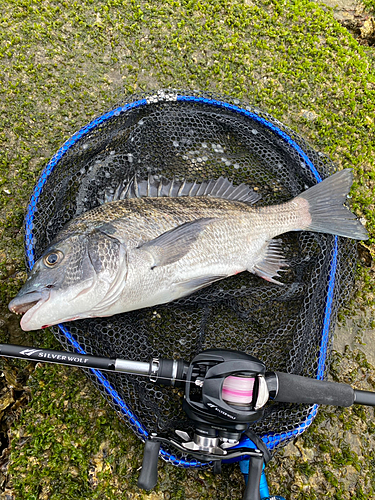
296	389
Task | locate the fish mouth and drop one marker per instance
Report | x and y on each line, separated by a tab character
28	303
21	304
40	308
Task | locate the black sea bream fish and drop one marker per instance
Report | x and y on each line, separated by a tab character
168	241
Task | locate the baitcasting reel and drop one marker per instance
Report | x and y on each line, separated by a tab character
225	391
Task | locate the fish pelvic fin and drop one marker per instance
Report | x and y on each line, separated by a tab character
174	244
271	262
326	211
193	284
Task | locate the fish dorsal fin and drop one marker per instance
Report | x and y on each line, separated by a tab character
156	187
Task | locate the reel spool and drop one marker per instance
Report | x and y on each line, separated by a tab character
238	390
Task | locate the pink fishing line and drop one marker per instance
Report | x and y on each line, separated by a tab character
238	390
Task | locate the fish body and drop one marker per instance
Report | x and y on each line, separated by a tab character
145	250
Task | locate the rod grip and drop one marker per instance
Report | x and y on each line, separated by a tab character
149	472
297	389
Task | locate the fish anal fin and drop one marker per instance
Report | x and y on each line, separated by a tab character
172	245
271	262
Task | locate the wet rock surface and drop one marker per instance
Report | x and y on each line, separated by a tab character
356	18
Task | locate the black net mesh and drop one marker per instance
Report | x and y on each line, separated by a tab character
199	136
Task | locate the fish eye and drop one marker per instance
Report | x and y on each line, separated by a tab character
53	258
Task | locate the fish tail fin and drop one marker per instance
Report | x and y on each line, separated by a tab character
326	210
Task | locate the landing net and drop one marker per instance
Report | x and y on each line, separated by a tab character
200	136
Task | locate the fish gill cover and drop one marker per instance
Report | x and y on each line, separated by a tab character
200	136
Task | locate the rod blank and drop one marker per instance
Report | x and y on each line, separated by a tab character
75	359
364	397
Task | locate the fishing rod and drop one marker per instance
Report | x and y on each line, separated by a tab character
225	392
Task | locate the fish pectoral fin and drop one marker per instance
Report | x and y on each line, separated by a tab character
193	284
271	262
172	245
